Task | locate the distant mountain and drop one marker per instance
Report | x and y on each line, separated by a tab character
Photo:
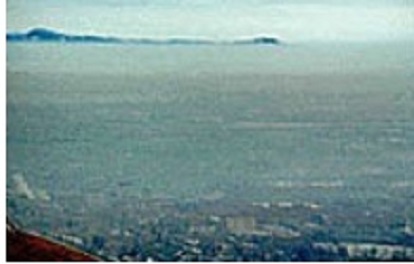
47	35
259	40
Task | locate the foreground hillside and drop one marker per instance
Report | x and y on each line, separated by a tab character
22	246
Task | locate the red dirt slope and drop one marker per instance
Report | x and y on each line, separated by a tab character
22	246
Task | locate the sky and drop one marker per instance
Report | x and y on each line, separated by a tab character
294	20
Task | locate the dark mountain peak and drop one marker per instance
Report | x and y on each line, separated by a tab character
43	33
266	40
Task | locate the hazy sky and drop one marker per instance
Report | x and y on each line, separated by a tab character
293	20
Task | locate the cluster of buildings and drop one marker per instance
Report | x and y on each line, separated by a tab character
269	233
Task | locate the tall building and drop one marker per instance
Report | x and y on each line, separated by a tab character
241	225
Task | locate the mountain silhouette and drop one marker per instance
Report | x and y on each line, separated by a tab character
48	35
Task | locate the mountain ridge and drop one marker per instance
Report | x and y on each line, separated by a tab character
49	35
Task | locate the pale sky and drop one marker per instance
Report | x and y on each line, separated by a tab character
295	20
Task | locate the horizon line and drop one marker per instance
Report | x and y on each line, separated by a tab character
38	34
